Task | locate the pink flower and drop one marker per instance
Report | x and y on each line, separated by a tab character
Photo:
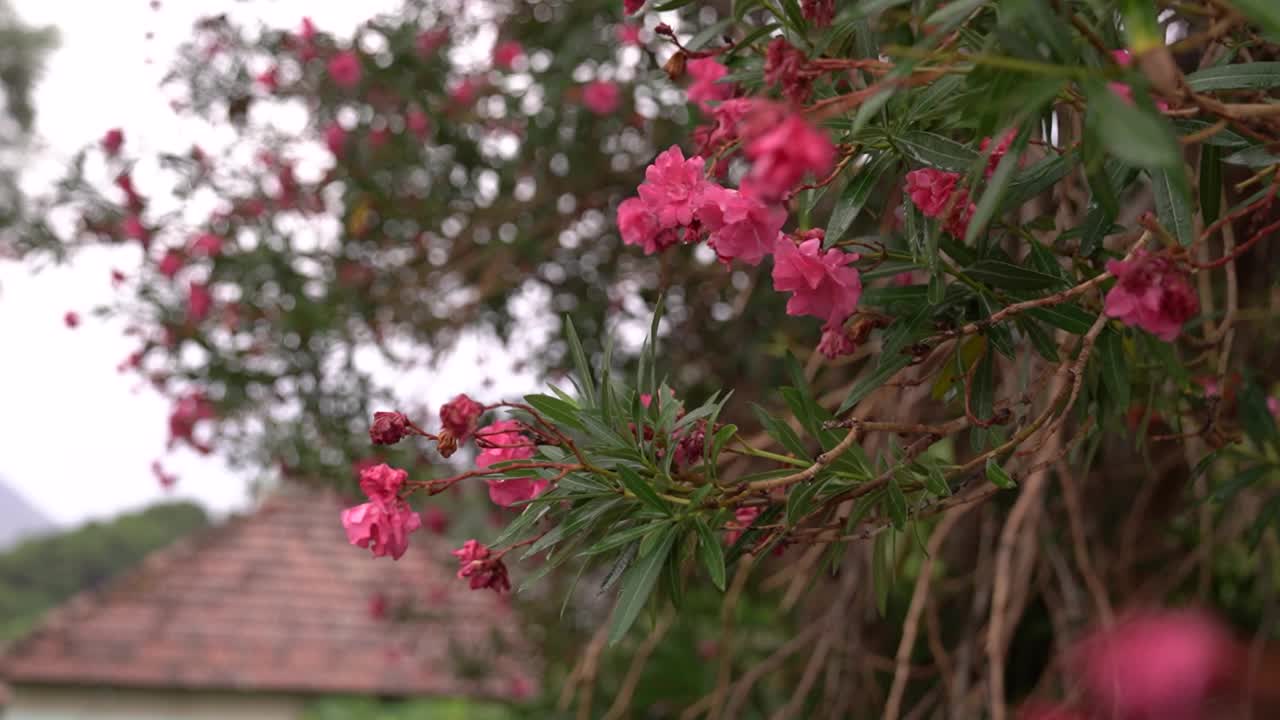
199	302
836	342
187	411
475	562
631	7
629	34
417	122
1273	406
207	244
71	319
383	528
464	93
783	154
502	441
505	54
601	97
381	483
117	278
999	152
819	12
335	138
820	283
270	79
379	137
166	480
743	517
459	416
171	263
937	192
1123	90
638	224
705	87
344	69
741	226
1161	665
509	491
112	141
727	118
388	428
673	187
1152	293
308	31
784	66
429	41
135	230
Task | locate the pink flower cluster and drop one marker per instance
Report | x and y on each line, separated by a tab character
503	441
481	567
677	202
705	87
187	411
1152	293
384	523
601	97
939	194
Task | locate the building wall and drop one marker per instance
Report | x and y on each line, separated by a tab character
66	703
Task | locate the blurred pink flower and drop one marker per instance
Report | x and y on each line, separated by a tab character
475	563
344	69
782	155
71	319
459	416
505	54
112	141
629	34
705	86
601	97
1159	665
171	263
199	302
509	491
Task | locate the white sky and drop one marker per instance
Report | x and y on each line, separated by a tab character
76	438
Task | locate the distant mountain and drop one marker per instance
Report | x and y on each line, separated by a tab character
18	519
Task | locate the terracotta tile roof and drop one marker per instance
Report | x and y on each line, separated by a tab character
278	601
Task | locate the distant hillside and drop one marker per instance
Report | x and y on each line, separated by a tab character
43	571
18	519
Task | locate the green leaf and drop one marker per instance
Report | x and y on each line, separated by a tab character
711	553
888	367
1067	316
1034	180
1211	183
1245	76
1228	490
1264	12
642	490
1007	276
854	197
555	409
619	567
1172	204
1115	371
882	562
800	499
781	432
587	383
624	537
936	151
935	482
637	585
671	5
1256	419
897	503
953	14
997	476
1133	135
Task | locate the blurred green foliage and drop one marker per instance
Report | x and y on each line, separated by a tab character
42	572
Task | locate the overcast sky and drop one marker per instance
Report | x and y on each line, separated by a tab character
76	438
